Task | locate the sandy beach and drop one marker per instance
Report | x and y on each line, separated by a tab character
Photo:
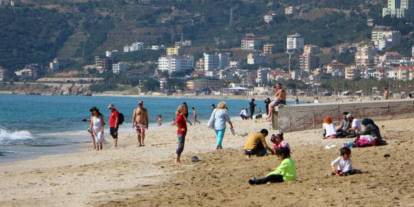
147	176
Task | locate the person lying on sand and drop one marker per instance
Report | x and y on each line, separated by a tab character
342	165
256	144
286	171
278	142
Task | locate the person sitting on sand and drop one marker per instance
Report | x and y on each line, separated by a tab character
370	135
355	128
278	142
342	129
256	144
286	171
342	166
328	126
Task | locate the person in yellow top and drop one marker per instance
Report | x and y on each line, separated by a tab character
286	171
256	144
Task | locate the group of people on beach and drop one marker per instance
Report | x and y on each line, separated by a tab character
366	132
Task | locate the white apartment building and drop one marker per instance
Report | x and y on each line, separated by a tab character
365	55
399	8
262	75
294	43
384	37
120	67
173	64
136	46
216	61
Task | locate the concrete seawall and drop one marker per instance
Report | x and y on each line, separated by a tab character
310	116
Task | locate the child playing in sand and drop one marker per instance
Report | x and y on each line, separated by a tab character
278	142
286	171
342	166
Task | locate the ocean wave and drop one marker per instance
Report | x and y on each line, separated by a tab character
8	135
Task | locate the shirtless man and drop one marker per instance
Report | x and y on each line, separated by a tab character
140	122
280	95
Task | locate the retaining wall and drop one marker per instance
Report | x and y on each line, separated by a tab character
310	116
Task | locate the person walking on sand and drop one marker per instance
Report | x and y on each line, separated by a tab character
140	122
194	116
252	107
181	123
280	95
218	119
114	122
97	124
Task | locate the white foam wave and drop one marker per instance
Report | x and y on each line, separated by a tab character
14	135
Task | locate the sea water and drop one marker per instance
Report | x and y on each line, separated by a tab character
36	125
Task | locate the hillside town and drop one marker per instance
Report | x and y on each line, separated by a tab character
249	68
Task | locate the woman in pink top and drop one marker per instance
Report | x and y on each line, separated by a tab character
278	141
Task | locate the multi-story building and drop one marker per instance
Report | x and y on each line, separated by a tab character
120	67
249	42
254	58
352	72
262	75
390	58
294	43
29	72
268	18
136	46
3	73
384	37
365	55
268	48
309	59
103	64
335	69
170	51
215	61
173	64
405	73
399	8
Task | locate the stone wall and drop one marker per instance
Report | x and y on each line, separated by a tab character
310	116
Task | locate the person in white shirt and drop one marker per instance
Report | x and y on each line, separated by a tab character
342	165
243	114
328	128
356	126
218	119
316	100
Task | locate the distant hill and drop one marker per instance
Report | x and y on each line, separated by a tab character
76	30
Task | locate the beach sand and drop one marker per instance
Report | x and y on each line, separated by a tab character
147	176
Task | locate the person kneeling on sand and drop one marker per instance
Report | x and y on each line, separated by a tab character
278	142
256	144
342	166
369	136
286	171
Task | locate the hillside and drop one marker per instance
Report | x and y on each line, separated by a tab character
75	31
